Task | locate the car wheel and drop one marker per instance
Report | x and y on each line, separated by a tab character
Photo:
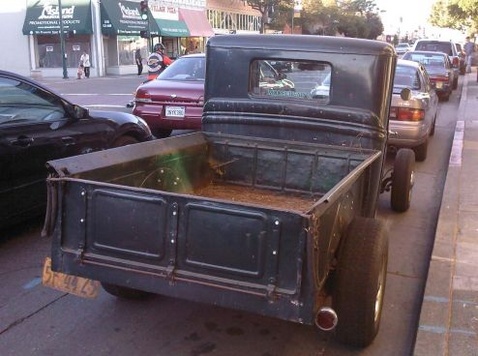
403	178
161	133
455	83
421	151
432	129
124	292
362	266
124	141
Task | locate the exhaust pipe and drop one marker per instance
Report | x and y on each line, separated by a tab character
326	319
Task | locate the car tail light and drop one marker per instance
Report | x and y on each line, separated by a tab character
406	114
142	97
443	78
456	61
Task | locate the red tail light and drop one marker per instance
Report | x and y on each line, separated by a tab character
406	114
456	61
142	96
444	78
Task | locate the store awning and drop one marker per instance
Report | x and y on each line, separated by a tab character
196	22
172	28
43	17
124	18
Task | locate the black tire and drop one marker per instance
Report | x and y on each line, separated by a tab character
124	292
161	133
455	83
432	129
124	141
403	178
360	282
421	151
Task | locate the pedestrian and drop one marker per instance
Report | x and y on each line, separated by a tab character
139	61
80	71
469	48
157	61
85	60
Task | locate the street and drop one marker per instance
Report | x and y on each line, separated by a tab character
35	320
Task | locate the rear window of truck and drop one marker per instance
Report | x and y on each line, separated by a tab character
295	80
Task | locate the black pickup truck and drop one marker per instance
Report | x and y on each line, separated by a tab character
270	208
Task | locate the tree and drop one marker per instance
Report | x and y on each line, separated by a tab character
353	18
458	14
265	7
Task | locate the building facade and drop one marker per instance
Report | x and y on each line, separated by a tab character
232	17
111	31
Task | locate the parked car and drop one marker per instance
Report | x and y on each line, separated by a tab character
38	125
448	47
413	110
174	100
462	56
439	70
322	90
401	48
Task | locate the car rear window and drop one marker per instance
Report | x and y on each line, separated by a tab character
444	47
406	77
185	68
294	80
426	59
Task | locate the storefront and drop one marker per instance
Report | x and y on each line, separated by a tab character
42	23
171	33
199	29
110	31
122	26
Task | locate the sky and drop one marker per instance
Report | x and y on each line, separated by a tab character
413	13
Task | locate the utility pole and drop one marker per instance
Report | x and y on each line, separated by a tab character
62	42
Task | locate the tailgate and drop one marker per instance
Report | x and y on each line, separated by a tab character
153	239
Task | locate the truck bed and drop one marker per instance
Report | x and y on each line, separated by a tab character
262	197
204	211
272	173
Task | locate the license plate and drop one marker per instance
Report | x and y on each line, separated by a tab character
439	85
175	111
79	286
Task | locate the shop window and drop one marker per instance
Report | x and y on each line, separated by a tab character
49	50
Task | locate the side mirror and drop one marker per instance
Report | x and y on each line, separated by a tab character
80	112
406	94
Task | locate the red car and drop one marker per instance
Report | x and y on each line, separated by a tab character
439	69
174	100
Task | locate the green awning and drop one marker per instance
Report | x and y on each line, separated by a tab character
124	18
172	28
43	18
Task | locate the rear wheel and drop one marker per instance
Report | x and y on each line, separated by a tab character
360	281
403	178
124	141
432	129
124	292
161	133
421	151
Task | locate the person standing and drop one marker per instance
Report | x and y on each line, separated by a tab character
139	61
469	48
157	61
85	60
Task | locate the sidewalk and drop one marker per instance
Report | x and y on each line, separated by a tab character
449	317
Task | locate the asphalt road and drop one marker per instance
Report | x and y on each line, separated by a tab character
35	320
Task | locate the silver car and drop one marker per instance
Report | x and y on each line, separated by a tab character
413	110
402	48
